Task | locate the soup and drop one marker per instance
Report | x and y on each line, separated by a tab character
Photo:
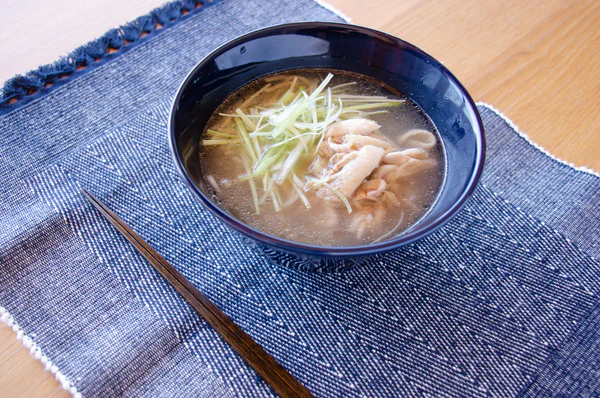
322	157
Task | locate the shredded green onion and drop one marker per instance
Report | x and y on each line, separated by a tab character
339	195
391	231
245	138
221	133
281	127
249	124
252	187
297	185
219	142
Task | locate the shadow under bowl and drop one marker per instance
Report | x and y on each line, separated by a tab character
344	47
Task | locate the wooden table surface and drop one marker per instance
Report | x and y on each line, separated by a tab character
538	61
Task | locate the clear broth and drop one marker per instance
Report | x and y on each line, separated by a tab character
323	225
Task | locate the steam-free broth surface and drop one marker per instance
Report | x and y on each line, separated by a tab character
297	178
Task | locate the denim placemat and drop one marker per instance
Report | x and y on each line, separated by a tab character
503	301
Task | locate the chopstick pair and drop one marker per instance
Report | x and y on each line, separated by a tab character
264	364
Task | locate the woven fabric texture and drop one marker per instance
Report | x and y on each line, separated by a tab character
503	301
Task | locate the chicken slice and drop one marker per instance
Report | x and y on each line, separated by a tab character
401	157
358	141
339	147
353	173
371	190
325	150
385	171
352	126
416	153
366	220
417	138
340	162
415	166
335	159
396	158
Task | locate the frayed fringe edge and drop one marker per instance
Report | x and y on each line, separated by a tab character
22	86
37	353
535	145
334	10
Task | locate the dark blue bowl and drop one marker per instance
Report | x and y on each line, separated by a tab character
385	58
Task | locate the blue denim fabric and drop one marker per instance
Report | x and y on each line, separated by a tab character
503	301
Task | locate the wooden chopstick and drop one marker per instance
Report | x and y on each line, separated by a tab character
264	364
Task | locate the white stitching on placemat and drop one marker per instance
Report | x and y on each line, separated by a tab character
535	145
334	10
37	353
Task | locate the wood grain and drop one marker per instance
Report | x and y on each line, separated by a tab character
34	33
20	374
537	61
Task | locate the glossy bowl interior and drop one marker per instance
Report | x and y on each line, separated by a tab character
344	47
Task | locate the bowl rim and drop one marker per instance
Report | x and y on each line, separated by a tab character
332	251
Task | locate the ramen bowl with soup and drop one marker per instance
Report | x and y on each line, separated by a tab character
325	145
